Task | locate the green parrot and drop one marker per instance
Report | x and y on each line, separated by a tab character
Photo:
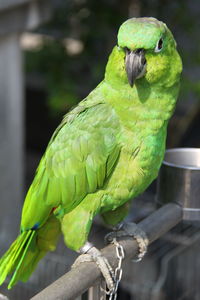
107	150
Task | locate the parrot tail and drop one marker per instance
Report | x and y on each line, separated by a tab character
25	252
13	258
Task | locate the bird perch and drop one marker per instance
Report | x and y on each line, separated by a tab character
78	280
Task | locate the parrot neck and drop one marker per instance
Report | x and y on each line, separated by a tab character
142	103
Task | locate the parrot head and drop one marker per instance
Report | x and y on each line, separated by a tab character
146	49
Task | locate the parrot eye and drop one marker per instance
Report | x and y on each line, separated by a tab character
159	46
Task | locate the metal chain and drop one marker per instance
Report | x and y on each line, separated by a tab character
118	272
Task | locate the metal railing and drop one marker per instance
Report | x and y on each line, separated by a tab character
74	283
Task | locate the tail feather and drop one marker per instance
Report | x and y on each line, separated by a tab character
25	252
22	257
27	267
11	258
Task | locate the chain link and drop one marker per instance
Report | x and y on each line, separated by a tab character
117	273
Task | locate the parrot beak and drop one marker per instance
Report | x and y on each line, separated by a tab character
135	64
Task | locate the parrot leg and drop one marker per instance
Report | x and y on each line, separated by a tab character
116	216
90	253
130	229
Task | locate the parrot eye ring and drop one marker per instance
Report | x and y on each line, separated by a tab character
159	45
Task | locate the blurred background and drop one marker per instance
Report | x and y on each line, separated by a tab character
52	54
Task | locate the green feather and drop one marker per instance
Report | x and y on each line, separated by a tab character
30	246
15	254
24	247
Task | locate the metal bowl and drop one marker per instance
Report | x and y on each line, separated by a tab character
185	158
179	181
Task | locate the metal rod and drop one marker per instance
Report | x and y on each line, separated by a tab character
95	292
78	280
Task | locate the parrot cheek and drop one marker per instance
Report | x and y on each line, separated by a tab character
157	68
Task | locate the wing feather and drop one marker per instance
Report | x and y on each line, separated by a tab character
79	158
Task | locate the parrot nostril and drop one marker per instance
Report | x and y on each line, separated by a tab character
139	50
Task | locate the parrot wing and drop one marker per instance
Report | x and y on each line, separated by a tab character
79	158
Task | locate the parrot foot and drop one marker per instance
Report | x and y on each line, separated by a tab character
133	230
90	253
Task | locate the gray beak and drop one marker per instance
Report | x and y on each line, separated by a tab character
135	64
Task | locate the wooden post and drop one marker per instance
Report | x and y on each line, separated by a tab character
11	137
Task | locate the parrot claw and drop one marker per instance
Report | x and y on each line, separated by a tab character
133	230
92	254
